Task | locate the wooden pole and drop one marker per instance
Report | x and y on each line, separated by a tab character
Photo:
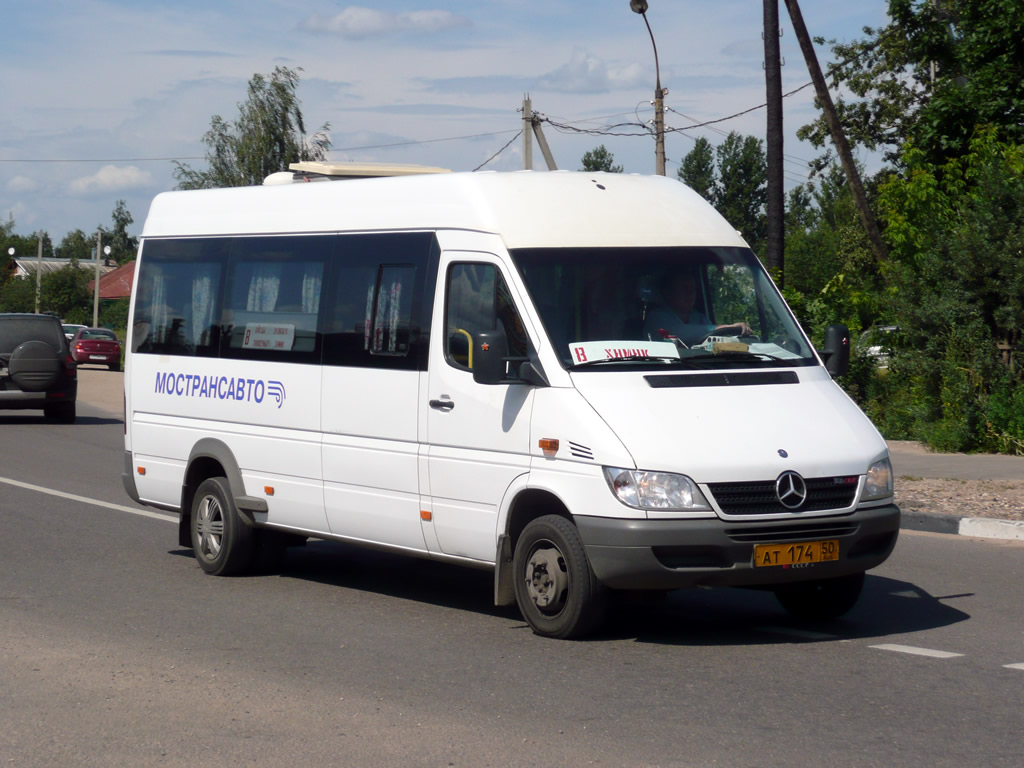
836	129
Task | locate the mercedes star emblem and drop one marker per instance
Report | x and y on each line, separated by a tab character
791	490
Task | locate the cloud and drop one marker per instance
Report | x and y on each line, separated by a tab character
187	54
111	178
584	73
22	184
357	23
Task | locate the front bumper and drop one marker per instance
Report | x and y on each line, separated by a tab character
671	554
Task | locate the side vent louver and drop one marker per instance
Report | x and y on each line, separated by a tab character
580	451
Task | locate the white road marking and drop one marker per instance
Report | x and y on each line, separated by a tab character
167	518
916	651
803	634
1014	666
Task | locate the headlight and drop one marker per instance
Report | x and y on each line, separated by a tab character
655	490
878	484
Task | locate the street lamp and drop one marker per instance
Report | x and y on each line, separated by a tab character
640	6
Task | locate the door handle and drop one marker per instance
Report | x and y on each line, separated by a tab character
442	405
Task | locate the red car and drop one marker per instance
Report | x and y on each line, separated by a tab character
97	346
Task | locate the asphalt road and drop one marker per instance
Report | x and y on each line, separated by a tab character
116	649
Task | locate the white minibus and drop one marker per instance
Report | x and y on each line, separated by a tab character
585	382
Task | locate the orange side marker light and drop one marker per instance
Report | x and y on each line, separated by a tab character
548	445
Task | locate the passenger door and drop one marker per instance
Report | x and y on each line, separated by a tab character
478	435
374	362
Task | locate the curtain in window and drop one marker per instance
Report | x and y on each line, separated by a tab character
159	329
202	304
264	288
393	316
368	317
311	284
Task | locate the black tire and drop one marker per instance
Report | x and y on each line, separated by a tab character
35	366
555	587
821	600
223	544
114	366
62	412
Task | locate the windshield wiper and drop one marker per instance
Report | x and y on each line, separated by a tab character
629	359
734	355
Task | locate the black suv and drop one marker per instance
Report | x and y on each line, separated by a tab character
36	368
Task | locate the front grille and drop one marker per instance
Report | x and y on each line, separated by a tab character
781	533
759	498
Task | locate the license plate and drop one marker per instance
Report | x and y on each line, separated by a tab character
796	554
97	357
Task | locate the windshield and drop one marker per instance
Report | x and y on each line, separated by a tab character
97	334
687	307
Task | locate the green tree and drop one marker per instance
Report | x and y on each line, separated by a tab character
831	275
268	134
741	189
732	178
18	295
600	159
25	247
122	245
65	291
957	288
697	170
76	245
937	71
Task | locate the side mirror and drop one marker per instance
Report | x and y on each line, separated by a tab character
837	350
490	363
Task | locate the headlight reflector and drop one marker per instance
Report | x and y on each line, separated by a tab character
878	483
643	489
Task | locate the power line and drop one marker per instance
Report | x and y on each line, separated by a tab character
173	159
485	162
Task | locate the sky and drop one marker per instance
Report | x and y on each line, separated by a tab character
98	96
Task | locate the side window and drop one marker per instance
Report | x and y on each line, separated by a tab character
478	300
376	311
387	321
271	310
178	297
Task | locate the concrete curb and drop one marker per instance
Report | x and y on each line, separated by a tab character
978	527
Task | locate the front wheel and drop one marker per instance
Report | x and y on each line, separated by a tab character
820	600
555	587
222	543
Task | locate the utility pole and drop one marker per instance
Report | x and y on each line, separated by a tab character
860	199
39	271
775	203
96	283
527	133
532	127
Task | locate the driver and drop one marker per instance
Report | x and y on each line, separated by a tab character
680	318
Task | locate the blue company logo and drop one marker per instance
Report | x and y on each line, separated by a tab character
219	387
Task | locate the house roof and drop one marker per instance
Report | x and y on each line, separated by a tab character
117	284
26	267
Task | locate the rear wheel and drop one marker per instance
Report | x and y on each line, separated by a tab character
223	544
556	589
819	600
